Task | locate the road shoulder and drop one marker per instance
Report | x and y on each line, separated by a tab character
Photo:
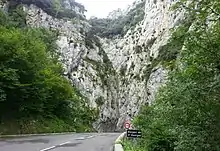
118	142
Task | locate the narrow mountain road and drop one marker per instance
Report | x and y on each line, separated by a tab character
70	142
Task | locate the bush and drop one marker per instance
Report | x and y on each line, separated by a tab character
129	145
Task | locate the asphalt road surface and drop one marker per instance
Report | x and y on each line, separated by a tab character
70	142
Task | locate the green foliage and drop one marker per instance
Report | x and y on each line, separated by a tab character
57	5
169	52
185	115
134	16
17	17
59	11
123	71
106	27
3	18
55	8
129	145
100	101
105	68
38	125
32	86
147	72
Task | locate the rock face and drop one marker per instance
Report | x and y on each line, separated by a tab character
56	8
3	5
117	75
134	59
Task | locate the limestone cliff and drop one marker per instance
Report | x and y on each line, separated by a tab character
117	74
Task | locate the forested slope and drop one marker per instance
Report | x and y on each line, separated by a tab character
35	97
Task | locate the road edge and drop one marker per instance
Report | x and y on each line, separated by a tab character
118	142
43	134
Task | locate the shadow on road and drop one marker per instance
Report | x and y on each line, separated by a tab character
44	141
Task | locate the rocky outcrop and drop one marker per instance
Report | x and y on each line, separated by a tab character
135	58
55	8
3	5
117	75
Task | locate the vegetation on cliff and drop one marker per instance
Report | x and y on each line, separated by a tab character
107	27
186	115
55	8
35	97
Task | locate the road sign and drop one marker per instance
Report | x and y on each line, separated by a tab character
127	125
134	133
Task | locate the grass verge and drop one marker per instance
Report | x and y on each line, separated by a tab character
130	145
41	125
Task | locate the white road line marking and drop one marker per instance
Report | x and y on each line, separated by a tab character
49	148
80	138
64	143
90	137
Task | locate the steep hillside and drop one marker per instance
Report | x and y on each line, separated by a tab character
35	97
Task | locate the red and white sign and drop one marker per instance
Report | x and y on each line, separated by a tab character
127	125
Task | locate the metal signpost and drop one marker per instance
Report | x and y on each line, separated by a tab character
131	133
